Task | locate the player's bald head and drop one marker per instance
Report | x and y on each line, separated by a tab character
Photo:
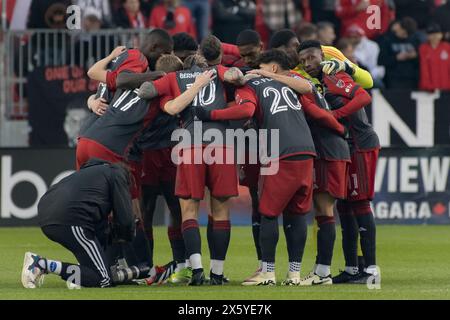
155	44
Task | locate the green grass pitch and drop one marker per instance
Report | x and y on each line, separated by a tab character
414	263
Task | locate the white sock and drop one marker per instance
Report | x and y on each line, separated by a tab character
352	270
51	266
152	272
260	264
180	266
217	267
323	270
196	261
268	266
371	270
295	266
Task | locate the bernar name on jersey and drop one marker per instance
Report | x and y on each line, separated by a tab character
190	74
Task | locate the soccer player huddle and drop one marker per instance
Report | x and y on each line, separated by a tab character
325	153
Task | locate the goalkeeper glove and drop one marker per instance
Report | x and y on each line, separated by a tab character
333	66
201	113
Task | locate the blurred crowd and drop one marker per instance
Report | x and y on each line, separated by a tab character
407	48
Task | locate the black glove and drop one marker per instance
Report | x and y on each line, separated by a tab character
201	113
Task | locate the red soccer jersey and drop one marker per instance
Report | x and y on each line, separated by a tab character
343	86
182	18
130	61
434	67
247	95
347	100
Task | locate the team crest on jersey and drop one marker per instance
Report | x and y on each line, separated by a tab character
444	55
340	84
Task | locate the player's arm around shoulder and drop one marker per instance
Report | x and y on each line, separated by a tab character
130	80
177	105
243	108
293	80
343	85
321	116
99	71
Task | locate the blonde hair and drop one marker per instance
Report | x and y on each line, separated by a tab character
195	60
169	63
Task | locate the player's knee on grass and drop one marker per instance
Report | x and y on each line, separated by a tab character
88	278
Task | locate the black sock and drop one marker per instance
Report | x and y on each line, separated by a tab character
209	238
361	263
269	235
221	238
256	222
149	197
143	247
367	231
192	239
295	230
177	244
256	226
349	228
174	231
326	236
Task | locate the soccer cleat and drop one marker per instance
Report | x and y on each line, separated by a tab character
32	273
261	279
198	279
345	277
216	280
182	276
162	274
292	279
225	279
366	278
313	279
258	271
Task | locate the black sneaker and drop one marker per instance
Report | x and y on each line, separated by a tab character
365	278
345	277
216	280
198	278
226	280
